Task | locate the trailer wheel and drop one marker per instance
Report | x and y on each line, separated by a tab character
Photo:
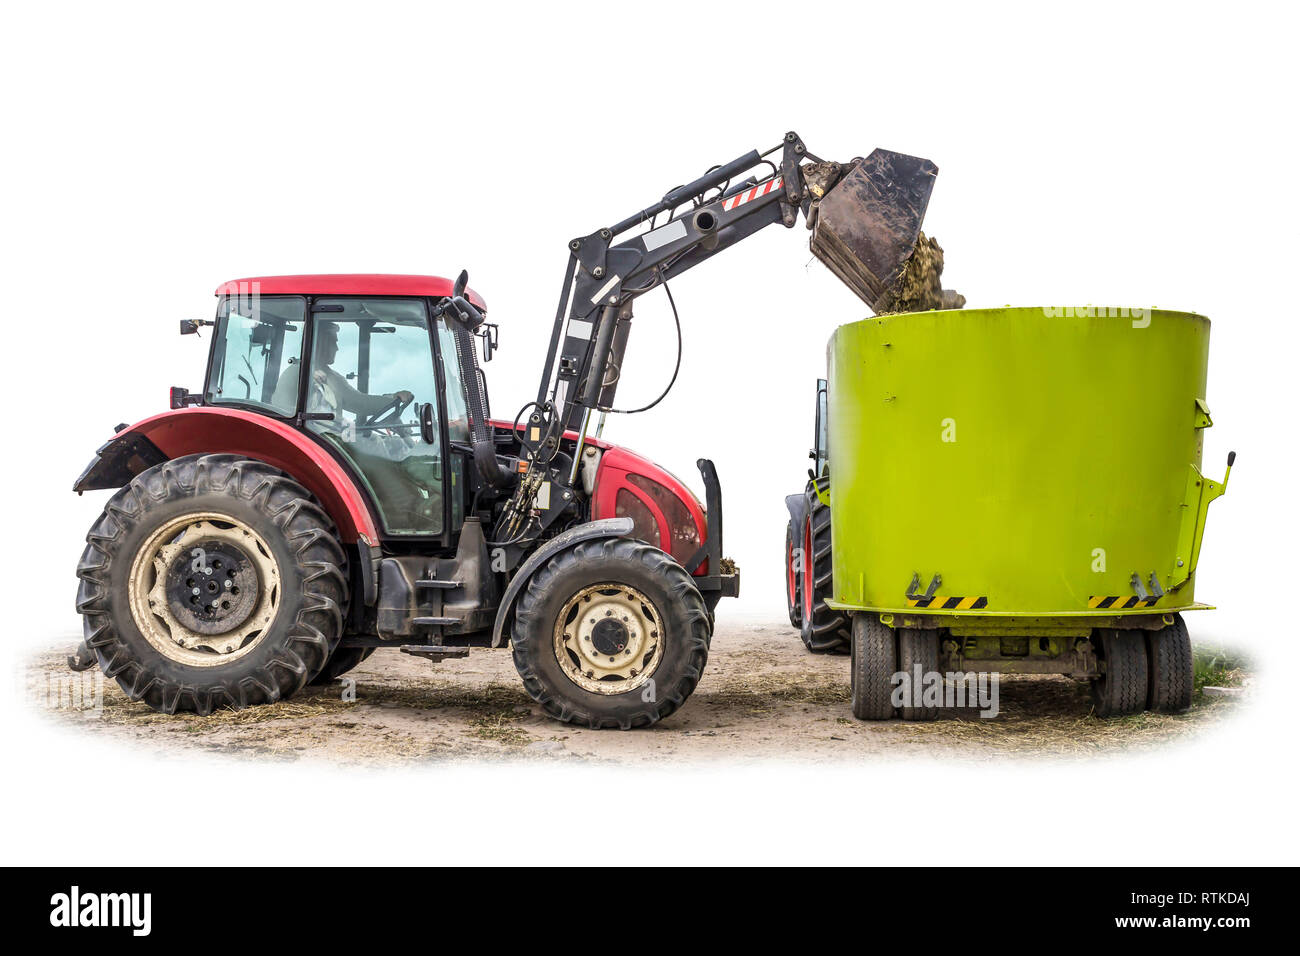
823	629
341	661
872	664
1122	687
211	581
1170	677
610	633
793	576
918	647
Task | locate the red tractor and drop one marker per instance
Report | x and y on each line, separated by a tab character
339	486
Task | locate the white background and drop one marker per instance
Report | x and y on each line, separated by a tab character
1112	154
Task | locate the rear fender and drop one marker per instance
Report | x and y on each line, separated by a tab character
202	430
797	505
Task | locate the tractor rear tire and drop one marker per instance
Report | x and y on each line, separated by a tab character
1170	673
646	616
918	647
793	576
287	591
872	665
1122	687
823	629
341	661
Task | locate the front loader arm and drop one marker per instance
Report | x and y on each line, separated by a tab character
878	214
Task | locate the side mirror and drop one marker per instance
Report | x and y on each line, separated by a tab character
488	332
427	430
462	283
191	326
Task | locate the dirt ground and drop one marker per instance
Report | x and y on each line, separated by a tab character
763	697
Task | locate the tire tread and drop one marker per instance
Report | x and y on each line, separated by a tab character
530	624
318	556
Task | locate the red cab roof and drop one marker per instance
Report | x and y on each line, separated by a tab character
359	284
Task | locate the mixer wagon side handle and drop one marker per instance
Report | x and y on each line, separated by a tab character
1196	504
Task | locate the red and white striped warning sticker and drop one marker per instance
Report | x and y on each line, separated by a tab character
762	189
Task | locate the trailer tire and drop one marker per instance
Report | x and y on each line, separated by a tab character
341	661
1122	687
918	646
1170	672
273	534
823	629
667	634
873	661
793	577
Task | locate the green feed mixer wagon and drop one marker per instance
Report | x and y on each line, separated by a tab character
1013	490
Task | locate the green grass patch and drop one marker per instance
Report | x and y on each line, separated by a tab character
1214	665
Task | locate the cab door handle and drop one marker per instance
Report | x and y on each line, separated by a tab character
427	431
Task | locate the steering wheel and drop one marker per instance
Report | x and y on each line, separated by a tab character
390	414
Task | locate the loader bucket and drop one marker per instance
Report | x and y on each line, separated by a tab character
868	224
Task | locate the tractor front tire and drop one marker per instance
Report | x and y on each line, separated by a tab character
212	581
873	662
1170	674
1122	687
611	633
824	630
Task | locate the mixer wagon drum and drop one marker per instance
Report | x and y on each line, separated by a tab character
1020	490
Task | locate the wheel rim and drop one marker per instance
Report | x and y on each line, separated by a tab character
609	638
204	588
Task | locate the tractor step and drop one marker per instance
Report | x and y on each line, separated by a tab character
434	583
434	621
434	652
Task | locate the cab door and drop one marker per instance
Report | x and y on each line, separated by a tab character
372	369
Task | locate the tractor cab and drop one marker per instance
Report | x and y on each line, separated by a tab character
363	364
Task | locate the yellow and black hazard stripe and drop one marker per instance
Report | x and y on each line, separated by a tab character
1119	602
941	603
